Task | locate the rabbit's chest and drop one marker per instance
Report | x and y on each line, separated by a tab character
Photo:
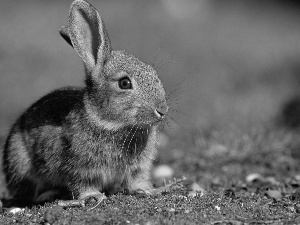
110	175
109	163
107	167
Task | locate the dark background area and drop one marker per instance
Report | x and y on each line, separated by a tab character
238	60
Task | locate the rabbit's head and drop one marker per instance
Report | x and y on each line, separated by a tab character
120	89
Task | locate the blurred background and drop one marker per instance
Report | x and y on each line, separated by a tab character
226	62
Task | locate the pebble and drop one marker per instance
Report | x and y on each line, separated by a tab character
272	180
196	190
162	172
274	194
16	210
193	194
171	210
197	187
254	177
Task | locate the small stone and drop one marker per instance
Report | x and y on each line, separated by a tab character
171	210
16	210
254	177
274	194
193	194
217	208
159	210
272	180
197	187
196	190
163	171
53	214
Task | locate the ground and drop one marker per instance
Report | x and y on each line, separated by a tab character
246	176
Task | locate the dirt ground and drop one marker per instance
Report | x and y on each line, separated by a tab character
231	177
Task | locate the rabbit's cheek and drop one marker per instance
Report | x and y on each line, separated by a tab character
147	116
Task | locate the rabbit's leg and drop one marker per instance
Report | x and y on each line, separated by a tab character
49	195
139	182
92	193
84	196
88	192
18	169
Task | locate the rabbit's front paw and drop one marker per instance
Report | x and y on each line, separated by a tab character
49	195
141	193
85	198
98	198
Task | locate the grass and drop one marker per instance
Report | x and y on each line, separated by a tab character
219	161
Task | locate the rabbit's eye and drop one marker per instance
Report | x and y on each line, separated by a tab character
125	83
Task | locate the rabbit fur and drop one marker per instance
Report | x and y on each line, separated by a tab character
101	138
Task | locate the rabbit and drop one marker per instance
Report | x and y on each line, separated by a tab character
81	142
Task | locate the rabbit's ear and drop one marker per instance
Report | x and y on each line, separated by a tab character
65	34
88	35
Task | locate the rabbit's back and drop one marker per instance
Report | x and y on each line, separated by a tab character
31	152
52	109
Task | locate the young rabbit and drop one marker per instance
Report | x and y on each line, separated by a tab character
93	140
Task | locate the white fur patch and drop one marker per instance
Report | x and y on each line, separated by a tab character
95	118
108	125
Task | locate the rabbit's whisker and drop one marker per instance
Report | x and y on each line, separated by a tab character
127	135
153	63
128	148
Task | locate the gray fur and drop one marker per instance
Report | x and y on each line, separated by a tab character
98	138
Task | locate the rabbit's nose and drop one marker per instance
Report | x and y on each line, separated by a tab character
159	114
161	109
